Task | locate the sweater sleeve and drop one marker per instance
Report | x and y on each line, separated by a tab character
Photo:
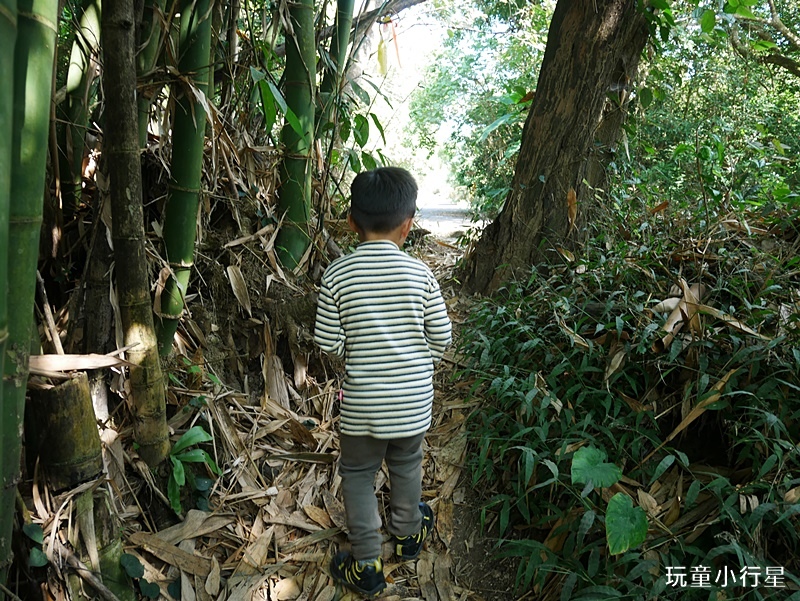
437	323
328	330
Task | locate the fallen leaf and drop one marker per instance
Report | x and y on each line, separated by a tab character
572	208
239	287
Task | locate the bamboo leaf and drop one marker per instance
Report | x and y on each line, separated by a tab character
267	105
287	112
379	126
239	287
360	92
493	126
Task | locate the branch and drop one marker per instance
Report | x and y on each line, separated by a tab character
362	22
784	62
793	38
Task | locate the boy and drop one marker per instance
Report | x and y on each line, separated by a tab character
383	311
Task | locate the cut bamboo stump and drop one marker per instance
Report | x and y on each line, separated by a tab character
61	429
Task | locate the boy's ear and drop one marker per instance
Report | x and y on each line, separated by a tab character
352	223
407	226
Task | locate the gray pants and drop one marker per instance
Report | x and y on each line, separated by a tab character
359	461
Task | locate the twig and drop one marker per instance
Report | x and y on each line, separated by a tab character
85	573
9	593
48	315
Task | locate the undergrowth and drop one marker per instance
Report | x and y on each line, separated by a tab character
700	420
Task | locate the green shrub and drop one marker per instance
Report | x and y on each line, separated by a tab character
587	425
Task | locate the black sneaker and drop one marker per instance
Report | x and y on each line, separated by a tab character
409	547
367	580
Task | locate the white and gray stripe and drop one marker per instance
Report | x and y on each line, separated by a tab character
382	310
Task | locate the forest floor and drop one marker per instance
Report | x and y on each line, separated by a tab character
275	516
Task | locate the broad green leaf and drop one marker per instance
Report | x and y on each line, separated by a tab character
626	525
174	494
355	164
743	11
34	532
344	129
589	464
132	566
178	472
762	45
660	4
361	130
708	20
37	558
191	437
369	162
149	589
645	97
192	456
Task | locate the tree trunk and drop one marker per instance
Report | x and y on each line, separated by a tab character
125	177
294	194
32	89
188	142
593	51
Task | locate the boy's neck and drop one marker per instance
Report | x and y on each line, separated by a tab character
397	235
387	237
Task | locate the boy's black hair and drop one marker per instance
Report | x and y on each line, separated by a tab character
382	199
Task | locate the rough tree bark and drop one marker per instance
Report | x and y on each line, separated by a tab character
593	50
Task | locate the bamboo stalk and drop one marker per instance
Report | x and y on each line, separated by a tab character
34	50
188	141
294	194
151	42
122	151
75	108
8	36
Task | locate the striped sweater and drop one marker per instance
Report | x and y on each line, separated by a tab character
383	311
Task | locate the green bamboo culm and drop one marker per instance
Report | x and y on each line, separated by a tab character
151	37
74	110
188	141
294	193
331	82
121	149
8	36
33	53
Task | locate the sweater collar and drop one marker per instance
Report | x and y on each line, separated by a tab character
379	244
